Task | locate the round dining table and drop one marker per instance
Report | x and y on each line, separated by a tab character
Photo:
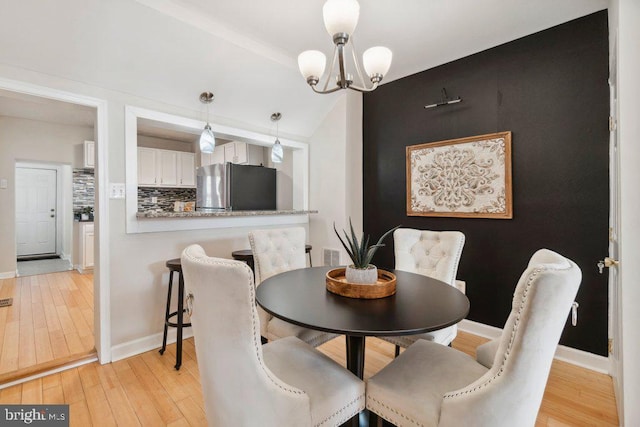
420	304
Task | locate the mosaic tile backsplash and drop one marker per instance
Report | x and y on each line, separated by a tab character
166	198
84	189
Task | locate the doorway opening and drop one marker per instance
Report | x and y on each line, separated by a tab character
38	107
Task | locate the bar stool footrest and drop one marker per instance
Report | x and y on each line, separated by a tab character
173	324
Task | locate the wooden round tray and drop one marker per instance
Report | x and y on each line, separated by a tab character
384	287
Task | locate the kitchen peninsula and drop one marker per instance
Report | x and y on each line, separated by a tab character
203	214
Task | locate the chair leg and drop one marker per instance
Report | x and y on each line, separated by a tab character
180	322
397	351
166	314
375	420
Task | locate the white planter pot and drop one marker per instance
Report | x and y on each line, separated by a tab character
366	276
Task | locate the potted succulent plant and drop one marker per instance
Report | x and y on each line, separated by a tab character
361	271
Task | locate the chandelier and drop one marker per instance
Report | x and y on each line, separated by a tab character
340	20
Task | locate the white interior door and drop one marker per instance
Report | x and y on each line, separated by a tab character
36	203
614	237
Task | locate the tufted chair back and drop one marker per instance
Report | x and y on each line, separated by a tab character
225	324
430	253
276	250
509	394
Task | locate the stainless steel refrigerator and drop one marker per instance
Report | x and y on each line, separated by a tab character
228	186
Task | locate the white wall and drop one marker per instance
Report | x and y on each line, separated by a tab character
327	177
284	179
629	140
335	150
30	140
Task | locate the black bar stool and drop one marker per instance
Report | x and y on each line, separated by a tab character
175	266
247	256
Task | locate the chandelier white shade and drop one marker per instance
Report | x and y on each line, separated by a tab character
340	16
340	20
376	61
311	64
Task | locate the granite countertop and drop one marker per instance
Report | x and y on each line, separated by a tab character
200	214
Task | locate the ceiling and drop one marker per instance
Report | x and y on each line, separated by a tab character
162	54
421	33
29	107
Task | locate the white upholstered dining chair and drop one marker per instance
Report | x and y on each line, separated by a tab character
277	250
283	383
435	385
430	253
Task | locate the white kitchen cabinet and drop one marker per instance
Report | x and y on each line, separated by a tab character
230	152
212	158
89	154
243	153
165	168
186	169
235	152
85	239
147	166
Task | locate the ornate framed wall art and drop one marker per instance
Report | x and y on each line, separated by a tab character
467	177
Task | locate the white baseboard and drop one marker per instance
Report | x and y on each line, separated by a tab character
144	344
8	275
566	354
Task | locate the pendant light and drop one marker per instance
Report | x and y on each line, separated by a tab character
207	139
277	153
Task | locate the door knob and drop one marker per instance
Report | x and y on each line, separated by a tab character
607	262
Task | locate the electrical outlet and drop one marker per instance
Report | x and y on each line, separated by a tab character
154	199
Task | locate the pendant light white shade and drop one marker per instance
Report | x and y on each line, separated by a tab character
341	16
377	60
312	63
207	140
277	153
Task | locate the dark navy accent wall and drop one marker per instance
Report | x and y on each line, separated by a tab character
550	90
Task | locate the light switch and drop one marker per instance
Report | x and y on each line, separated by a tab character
116	191
3	184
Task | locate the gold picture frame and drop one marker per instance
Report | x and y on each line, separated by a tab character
463	178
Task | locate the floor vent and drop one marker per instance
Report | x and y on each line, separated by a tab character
6	302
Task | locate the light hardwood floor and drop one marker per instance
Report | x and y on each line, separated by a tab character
147	390
49	323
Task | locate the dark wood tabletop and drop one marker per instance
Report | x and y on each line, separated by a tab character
421	304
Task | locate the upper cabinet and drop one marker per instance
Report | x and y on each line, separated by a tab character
186	169
165	168
89	154
147	166
235	152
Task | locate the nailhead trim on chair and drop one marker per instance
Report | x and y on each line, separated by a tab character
252	297
516	324
507	353
344	417
403	416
